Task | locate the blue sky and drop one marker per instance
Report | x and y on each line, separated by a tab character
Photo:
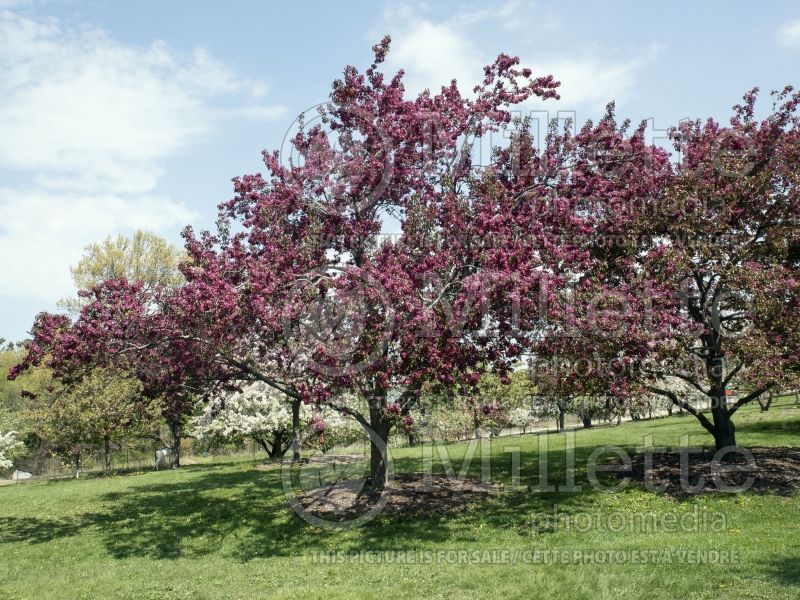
118	115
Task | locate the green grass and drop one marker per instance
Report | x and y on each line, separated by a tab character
222	530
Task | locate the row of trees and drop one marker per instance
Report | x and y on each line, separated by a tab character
614	266
105	412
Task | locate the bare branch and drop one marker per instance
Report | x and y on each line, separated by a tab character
709	426
750	397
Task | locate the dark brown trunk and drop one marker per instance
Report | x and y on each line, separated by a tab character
378	448
587	422
296	430
724	430
276	450
765	404
562	418
725	434
175	429
106	455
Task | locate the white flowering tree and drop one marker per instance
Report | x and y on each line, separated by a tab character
522	418
257	412
260	413
8	443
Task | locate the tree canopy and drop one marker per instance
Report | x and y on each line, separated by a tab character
618	265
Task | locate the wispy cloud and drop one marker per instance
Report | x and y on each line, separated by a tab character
84	111
789	34
90	124
435	51
43	233
592	80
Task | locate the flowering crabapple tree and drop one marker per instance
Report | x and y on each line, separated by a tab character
692	270
122	327
308	297
522	418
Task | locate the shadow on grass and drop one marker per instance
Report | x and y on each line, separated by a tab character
789	426
785	570
243	514
37	531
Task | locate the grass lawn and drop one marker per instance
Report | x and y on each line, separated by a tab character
222	530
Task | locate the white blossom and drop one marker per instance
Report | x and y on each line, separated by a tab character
258	410
522	417
8	442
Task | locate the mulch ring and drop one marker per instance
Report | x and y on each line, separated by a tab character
409	494
776	470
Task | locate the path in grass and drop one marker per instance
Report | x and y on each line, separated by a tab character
223	531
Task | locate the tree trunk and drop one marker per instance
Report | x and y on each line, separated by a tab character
587	422
296	430
276	451
378	448
76	462
476	425
106	455
270	450
765	404
724	430
175	429
562	426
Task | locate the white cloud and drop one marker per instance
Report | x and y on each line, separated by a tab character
789	34
433	53
89	123
92	113
42	234
594	80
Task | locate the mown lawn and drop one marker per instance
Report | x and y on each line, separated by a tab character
222	530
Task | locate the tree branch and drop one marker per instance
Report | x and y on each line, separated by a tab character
750	397
709	426
732	374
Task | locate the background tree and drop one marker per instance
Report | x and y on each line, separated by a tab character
91	415
522	417
697	276
258	412
144	257
8	443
